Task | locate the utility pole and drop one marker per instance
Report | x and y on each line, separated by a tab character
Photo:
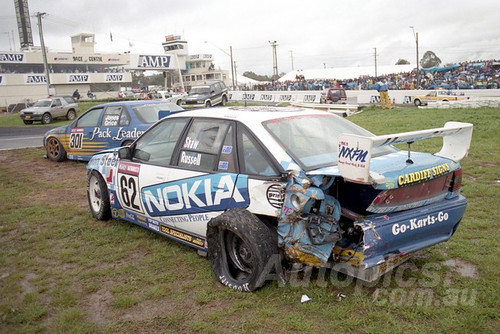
44	52
291	57
375	54
274	44
233	69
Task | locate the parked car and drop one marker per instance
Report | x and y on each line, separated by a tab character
104	126
168	96
333	95
437	95
45	110
206	95
247	184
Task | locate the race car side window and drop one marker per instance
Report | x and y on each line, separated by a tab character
157	145
203	143
90	118
253	160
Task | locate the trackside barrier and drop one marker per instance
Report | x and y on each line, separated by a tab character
275	96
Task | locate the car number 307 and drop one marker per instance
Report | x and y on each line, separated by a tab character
76	140
129	193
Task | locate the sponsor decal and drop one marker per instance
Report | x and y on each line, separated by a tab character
172	220
227	149
12	57
113	77
216	192
351	155
224	165
275	195
149	61
287	97
266	97
154	227
129	168
94	58
78	78
77	58
309	98
182	236
118	213
423	175
415	224
247	96
120	134
36	79
141	220
113	59
61	58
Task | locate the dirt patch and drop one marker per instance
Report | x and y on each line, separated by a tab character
463	268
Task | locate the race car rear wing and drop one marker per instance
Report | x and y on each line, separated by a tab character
355	152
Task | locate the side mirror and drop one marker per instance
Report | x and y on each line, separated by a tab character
125	152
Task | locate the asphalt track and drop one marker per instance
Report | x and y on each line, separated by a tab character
22	137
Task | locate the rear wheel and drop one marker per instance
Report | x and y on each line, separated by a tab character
417	102
71	115
46	118
55	150
224	100
239	249
97	194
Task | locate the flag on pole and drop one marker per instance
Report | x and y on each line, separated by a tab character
111	36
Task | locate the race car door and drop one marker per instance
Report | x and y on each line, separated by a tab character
181	175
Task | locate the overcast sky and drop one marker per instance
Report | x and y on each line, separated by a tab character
315	34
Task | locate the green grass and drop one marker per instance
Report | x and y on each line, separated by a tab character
63	271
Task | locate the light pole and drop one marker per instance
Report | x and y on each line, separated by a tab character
274	44
415	34
230	54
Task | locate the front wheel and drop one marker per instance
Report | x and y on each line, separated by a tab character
27	122
240	247
208	104
97	194
55	150
417	102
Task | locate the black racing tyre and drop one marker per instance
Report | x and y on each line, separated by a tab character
97	194
239	249
224	100
71	115
179	102
208	104
27	122
417	102
55	150
46	118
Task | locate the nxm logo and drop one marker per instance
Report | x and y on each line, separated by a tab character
200	194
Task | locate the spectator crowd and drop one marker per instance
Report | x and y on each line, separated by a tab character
466	75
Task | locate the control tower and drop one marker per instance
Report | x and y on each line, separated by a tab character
178	49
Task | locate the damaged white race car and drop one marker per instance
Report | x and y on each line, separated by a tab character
247	184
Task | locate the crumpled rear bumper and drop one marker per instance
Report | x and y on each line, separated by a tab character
389	239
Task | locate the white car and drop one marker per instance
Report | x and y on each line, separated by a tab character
248	184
